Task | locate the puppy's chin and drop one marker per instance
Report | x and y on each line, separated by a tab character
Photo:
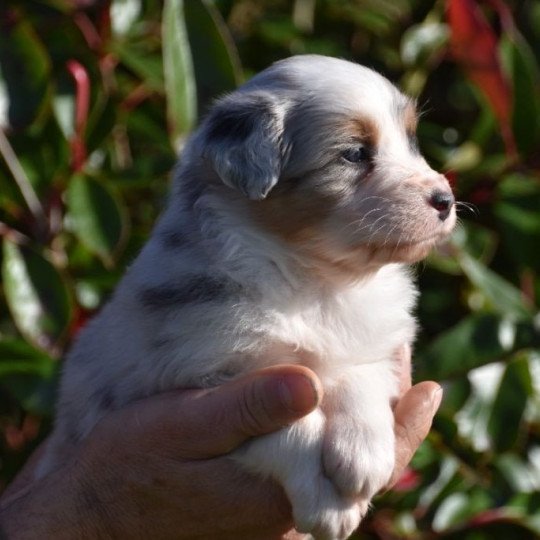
409	253
333	260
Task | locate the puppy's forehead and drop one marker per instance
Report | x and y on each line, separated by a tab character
339	87
336	78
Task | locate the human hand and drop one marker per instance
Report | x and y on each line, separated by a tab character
159	468
413	413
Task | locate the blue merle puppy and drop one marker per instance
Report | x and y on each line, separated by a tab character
297	205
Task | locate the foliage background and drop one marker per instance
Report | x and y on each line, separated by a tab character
96	95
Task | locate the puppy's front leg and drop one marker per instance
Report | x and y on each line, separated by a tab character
358	448
293	457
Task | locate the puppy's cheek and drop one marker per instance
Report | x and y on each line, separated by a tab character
295	216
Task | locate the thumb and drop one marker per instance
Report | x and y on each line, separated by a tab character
413	415
198	424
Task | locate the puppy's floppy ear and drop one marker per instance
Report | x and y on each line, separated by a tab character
244	141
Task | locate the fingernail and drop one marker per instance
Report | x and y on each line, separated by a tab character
298	393
436	398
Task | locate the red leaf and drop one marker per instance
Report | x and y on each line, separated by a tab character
82	105
452	178
408	481
80	317
474	46
491	515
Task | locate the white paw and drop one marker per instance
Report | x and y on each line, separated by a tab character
357	457
294	457
321	512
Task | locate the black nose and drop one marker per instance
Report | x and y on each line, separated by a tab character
442	201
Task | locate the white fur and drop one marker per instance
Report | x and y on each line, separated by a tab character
335	298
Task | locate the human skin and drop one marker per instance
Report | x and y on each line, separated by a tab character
159	468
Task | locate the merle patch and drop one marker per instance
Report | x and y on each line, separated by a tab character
196	289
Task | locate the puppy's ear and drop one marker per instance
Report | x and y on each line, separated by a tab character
244	141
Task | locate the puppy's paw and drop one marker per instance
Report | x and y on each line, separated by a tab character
321	512
293	456
358	457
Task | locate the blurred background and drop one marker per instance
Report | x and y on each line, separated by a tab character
96	98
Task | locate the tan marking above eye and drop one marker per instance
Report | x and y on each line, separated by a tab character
363	129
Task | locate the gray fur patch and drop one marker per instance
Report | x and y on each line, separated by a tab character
196	289
105	398
173	239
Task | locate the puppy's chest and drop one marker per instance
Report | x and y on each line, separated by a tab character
345	330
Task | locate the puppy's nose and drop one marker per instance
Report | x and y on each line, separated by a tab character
442	201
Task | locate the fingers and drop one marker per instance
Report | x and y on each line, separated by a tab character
266	401
414	414
198	424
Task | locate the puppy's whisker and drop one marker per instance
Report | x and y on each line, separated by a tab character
371	212
467	206
357	223
374	233
388	234
396	247
377	197
372	225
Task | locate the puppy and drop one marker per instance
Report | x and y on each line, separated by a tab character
296	206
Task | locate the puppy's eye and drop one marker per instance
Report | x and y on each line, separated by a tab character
356	154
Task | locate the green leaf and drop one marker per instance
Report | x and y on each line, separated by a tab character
215	58
4	102
37	295
97	216
472	419
465	157
25	67
421	42
178	70
477	241
64	112
123	14
521	231
35	393
147	67
456	393
459	508
517	472
372	20
447	474
520	65
18	357
475	341
517	212
101	122
502	296
504	424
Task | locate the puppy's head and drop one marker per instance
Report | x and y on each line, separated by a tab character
326	151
